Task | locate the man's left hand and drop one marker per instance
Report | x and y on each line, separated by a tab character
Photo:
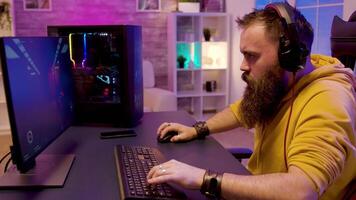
176	172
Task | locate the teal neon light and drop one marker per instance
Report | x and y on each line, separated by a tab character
192	52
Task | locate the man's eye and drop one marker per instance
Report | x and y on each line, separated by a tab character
249	56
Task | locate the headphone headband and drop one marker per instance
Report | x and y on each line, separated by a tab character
282	12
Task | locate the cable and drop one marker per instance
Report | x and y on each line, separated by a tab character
287	127
3	158
7	164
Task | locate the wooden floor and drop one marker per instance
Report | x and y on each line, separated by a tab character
233	138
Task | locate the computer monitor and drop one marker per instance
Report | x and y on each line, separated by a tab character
38	87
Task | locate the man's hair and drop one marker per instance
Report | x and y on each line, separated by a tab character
271	20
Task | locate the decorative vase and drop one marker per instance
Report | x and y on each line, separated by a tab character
191	7
207	34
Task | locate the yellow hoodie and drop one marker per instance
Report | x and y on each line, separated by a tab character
321	134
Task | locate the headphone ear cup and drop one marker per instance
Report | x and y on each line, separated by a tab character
292	57
284	52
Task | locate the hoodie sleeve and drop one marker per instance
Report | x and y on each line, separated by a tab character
235	108
324	136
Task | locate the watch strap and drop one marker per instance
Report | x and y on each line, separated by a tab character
202	129
211	186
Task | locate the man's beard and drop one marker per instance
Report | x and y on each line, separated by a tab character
261	98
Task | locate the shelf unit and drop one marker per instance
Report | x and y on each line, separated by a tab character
206	62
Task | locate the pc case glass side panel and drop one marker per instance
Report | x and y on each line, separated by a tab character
96	67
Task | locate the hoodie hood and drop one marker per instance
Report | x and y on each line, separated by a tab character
326	68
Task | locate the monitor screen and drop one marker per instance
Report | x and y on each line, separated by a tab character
38	86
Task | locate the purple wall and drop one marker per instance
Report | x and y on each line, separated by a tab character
91	12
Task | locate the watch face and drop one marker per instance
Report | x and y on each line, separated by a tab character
213	183
213	187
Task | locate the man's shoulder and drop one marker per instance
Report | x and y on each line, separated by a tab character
326	93
327	86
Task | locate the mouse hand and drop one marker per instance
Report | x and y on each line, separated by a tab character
185	133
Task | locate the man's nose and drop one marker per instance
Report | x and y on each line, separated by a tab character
244	66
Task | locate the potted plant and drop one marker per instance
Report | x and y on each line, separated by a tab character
181	60
5	19
192	6
207	34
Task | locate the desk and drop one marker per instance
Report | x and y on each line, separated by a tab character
93	174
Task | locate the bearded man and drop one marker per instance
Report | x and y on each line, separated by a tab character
301	106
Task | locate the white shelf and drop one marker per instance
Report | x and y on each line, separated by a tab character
205	14
212	94
212	69
181	94
208	61
188	70
200	69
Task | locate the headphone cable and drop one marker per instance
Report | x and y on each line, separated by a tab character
289	117
7	164
3	158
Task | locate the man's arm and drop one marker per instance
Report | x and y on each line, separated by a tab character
222	121
292	185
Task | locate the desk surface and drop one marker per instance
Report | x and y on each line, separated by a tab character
93	174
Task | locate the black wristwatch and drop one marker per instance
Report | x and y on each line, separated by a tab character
202	129
211	186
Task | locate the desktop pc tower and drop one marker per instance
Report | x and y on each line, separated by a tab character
106	64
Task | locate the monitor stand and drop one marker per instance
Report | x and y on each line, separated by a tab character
49	171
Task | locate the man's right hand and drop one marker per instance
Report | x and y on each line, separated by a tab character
185	133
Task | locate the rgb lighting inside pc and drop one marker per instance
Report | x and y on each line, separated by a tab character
95	64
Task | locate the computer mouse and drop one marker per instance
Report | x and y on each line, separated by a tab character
167	137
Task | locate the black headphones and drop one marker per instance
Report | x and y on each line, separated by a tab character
292	53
